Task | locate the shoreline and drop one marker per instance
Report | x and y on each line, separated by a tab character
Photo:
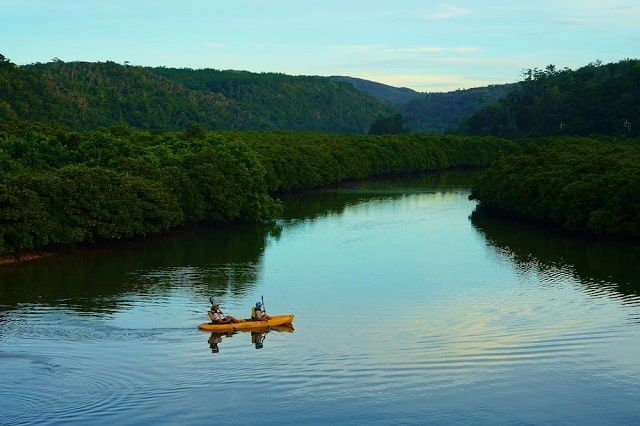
12	258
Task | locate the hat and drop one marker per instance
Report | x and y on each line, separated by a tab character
258	305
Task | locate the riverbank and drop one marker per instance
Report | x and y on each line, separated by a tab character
27	256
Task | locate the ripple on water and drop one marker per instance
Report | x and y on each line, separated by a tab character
57	379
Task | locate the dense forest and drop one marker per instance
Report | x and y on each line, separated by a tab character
84	95
444	112
597	99
581	167
93	152
585	185
433	112
62	188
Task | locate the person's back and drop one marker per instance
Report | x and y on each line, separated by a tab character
258	313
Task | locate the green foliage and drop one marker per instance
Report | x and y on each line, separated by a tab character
390	125
582	185
24	221
85	96
89	204
305	160
268	101
594	100
64	188
433	112
444	112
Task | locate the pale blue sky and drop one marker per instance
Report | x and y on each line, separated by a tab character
429	46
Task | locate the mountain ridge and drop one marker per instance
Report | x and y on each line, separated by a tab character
85	95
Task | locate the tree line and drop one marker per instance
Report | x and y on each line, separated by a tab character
597	99
586	185
62	188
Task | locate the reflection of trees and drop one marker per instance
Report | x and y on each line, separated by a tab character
601	264
213	261
216	261
333	200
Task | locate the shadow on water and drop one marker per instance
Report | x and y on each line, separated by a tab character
213	260
598	265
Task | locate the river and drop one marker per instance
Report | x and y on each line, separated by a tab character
411	307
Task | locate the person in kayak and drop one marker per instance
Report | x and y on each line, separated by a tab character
217	317
258	313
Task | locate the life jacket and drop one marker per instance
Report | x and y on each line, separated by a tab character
253	313
212	317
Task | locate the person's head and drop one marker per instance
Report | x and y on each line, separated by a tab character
258	305
214	306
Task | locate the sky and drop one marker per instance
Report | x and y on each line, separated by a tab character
428	46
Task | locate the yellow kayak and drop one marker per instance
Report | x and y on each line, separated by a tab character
248	324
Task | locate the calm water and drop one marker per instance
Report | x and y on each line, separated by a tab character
411	308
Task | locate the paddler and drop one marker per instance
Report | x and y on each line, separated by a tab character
217	317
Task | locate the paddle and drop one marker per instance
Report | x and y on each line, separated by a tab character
264	310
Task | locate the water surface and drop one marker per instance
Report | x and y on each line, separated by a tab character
411	308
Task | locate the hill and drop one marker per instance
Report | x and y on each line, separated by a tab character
84	95
395	95
443	112
595	99
433	112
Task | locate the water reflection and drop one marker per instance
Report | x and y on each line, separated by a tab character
257	337
218	261
333	200
215	339
599	265
460	339
214	261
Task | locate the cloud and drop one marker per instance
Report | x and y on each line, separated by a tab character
214	44
448	12
461	49
385	49
358	48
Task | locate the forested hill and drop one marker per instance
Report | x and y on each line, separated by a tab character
83	95
86	95
433	112
443	112
595	99
396	95
280	101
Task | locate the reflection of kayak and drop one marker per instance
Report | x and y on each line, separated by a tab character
284	328
248	324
